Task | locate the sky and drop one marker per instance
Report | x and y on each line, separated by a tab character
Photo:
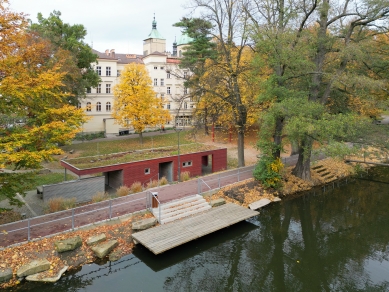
113	24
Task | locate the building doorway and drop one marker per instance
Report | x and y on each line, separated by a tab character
206	164
113	180
166	170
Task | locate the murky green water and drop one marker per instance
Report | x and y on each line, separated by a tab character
332	241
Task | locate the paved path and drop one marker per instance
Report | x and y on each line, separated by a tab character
49	224
40	226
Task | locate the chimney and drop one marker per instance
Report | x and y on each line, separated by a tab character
107	52
113	53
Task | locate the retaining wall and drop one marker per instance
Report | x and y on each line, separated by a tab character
82	189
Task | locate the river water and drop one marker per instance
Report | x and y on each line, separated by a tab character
333	240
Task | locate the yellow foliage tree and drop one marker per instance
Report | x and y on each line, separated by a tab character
217	102
135	101
30	89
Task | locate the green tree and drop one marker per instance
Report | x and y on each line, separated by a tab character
315	64
135	101
80	73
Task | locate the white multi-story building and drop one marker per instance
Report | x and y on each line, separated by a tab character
167	80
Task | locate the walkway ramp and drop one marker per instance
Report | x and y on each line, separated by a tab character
164	237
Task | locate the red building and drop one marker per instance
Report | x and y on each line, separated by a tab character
197	164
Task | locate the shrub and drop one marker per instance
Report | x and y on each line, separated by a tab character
89	136
152	184
163	181
123	191
268	172
69	203
136	187
53	205
8	216
100	196
184	176
59	204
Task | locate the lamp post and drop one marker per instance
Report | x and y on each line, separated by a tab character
178	130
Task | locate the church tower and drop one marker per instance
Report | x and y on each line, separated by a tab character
154	42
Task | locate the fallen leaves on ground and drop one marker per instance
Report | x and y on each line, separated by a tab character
249	191
16	256
243	193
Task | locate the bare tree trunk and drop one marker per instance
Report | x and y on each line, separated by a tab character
278	137
241	162
141	138
303	166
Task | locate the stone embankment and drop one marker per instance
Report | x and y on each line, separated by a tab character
47	259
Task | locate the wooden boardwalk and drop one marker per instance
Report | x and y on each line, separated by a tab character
168	236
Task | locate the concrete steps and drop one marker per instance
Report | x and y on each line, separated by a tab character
181	208
323	172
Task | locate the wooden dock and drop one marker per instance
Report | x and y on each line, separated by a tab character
168	236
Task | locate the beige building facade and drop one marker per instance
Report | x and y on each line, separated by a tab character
166	77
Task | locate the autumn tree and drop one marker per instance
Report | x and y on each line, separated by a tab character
216	56
80	73
30	87
135	102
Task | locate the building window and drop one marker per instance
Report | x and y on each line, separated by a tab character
168	90
147	170
185	74
108	106
88	90
98	70
187	163
88	107
162	82
98	89
155	81
107	88
185	90
162	68
185	105
162	95
155	67
108	71
118	73
98	106
168	75
79	105
168	106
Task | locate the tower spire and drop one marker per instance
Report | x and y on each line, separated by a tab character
154	26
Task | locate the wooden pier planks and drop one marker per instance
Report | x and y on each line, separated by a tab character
168	236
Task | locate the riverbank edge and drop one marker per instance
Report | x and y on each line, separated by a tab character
124	219
14	256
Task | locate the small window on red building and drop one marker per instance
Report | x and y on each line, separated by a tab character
147	170
187	163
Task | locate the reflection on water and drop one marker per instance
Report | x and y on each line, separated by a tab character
332	241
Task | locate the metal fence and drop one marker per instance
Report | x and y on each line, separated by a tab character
54	223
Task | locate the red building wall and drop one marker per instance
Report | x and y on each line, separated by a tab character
135	171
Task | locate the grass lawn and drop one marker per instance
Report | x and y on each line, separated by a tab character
130	156
130	144
51	178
